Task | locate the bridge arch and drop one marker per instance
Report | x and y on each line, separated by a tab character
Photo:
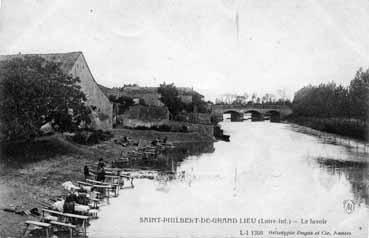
274	112
273	115
235	115
255	115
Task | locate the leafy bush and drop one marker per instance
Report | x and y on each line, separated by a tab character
122	103
346	127
169	96
35	91
164	128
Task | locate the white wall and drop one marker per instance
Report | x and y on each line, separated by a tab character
103	115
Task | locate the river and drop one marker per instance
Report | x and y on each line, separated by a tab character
267	171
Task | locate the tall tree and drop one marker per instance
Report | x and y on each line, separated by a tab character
169	96
331	100
35	91
359	94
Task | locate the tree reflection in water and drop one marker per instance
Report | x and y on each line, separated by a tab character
166	164
357	173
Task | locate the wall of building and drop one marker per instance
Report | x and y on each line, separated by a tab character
185	98
198	118
102	117
149	116
152	99
146	116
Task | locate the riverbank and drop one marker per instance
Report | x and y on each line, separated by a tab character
342	126
54	160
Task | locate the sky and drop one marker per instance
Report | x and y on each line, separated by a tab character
214	46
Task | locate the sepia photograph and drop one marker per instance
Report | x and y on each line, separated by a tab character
184	118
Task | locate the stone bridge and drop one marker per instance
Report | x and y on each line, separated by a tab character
258	112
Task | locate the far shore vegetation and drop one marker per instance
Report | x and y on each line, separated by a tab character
335	108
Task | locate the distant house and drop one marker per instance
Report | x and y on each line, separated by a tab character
185	98
149	95
74	64
136	101
186	94
146	116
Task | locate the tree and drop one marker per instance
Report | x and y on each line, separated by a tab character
198	105
245	96
359	94
331	100
240	100
169	96
122	103
35	91
253	97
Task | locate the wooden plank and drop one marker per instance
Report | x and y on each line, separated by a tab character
38	223
112	186
112	176
102	186
94	182
75	216
125	176
52	212
64	214
63	224
114	169
85	183
94	172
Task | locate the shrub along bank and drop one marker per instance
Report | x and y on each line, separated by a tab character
354	128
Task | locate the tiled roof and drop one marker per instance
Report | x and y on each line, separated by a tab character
66	60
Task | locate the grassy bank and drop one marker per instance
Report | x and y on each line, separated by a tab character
342	126
31	173
174	137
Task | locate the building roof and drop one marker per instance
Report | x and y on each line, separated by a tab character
66	60
140	90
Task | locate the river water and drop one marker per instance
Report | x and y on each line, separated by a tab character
267	171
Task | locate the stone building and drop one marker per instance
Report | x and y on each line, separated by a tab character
74	64
149	95
187	94
146	116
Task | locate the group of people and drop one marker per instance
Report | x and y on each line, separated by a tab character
100	171
73	199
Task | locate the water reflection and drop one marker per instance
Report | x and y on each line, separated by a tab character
353	164
357	148
166	163
357	173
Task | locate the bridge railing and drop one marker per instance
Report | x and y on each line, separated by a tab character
259	106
